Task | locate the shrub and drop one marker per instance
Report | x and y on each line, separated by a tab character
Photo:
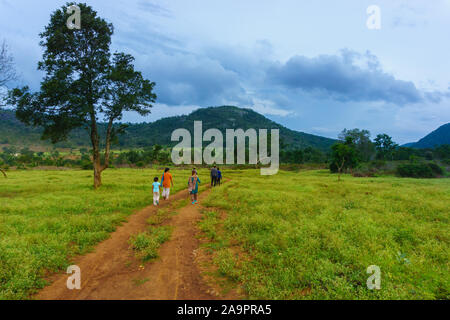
140	164
364	174
437	170
419	170
87	165
378	164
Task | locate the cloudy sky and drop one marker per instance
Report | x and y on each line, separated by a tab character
313	66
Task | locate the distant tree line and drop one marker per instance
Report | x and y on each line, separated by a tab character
26	158
357	153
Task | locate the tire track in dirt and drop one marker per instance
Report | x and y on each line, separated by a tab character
111	271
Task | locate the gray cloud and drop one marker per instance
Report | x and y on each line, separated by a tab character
189	79
437	96
346	77
154	8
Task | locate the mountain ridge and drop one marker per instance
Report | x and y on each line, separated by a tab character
438	137
159	132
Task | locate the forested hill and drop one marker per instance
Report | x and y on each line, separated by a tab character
223	118
437	138
159	132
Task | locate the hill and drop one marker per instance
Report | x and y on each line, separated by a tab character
435	139
159	132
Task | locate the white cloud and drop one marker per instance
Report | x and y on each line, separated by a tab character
160	111
267	107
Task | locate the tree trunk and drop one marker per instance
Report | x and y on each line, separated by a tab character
96	152
340	169
108	143
4	173
98	167
97	175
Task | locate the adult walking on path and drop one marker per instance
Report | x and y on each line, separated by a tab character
167	182
214	176
193	186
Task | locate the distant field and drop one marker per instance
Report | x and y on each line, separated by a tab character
292	236
306	236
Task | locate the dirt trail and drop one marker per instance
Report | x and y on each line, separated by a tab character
111	272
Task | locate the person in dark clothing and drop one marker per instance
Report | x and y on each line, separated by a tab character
213	176
219	176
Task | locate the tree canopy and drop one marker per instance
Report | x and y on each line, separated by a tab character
83	84
385	146
361	139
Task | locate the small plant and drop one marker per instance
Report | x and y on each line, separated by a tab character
401	257
348	205
146	244
140	282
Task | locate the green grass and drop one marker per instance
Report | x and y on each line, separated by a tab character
291	236
47	217
306	236
146	244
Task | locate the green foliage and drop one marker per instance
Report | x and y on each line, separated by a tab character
361	139
159	132
87	165
82	83
344	156
385	146
299	156
420	170
436	169
442	152
76	64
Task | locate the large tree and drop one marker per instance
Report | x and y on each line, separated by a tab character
361	139
385	146
343	156
83	85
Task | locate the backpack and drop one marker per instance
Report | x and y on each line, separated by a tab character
192	183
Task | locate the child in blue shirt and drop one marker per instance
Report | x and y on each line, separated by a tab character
156	186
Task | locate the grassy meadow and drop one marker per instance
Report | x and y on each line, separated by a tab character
296	235
46	217
306	236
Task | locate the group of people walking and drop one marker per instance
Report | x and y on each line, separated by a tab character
193	184
216	176
166	183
